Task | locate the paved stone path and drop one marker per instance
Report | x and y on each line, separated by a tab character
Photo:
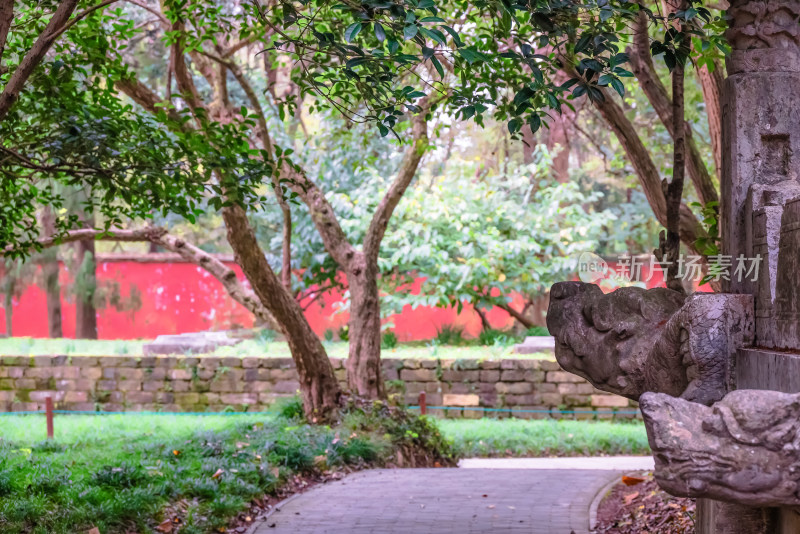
445	501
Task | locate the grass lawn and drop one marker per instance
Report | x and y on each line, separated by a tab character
129	472
26	346
545	437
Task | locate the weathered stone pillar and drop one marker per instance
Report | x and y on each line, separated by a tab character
760	210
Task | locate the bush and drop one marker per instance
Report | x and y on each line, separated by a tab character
493	336
388	340
344	333
538	331
450	335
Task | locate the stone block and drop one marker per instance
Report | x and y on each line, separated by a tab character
251	375
513	375
282	374
286	386
567	388
231	361
85	361
15	372
516	388
490	376
153	385
563	376
129	385
40	396
577	400
549	365
535	376
239	398
155	373
20	383
552	399
106	385
129	373
91	373
259	386
76	396
609	401
451	399
187	398
40	372
179	374
523	400
490	364
411	364
450	375
250	363
109	373
418	375
19	361
181	385
42	361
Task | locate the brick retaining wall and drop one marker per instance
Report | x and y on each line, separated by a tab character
209	383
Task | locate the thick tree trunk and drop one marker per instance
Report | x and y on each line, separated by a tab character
363	361
318	385
52	287
85	312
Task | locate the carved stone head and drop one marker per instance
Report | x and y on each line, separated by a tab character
605	338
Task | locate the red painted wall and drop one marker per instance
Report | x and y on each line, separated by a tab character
181	297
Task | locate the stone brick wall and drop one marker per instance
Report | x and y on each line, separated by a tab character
529	387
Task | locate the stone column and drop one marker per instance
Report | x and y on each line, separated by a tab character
760	215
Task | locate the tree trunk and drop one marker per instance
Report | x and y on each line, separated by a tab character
711	83
318	385
85	312
52	287
674	194
8	304
642	66
363	362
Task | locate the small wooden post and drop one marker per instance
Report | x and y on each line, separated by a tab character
423	409
48	405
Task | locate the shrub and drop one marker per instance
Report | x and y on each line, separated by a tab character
450	335
538	331
344	333
388	340
493	336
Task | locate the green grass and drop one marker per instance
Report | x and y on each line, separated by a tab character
128	473
519	438
25	346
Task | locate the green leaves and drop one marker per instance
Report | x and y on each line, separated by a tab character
352	30
410	31
380	33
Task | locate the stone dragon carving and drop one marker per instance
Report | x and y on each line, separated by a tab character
744	449
634	340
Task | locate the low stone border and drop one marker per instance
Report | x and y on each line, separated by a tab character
529	388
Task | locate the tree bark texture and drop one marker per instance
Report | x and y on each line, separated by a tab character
85	312
318	385
644	70
675	187
711	84
50	272
34	56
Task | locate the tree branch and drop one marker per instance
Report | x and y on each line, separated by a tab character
405	175
527	323
646	170
643	68
34	56
189	252
6	18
